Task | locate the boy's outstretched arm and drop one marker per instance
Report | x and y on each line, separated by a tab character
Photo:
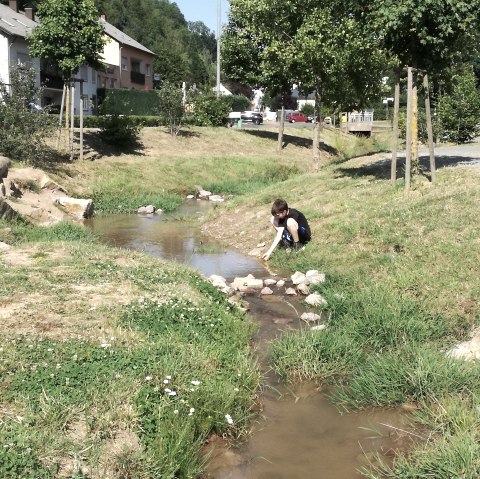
275	242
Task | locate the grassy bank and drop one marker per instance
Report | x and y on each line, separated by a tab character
402	288
113	364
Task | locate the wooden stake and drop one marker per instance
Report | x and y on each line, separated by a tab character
431	146
72	119
396	108
281	128
415	160
81	119
61	116
408	157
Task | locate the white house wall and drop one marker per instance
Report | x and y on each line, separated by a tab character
111	52
4	60
19	54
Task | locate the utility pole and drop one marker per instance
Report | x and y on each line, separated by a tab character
219	25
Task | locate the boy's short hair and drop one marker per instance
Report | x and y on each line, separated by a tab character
278	206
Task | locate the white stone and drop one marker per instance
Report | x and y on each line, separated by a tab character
290	292
468	350
159	211
281	283
216	198
318	327
204	194
316	299
309	317
261	245
249	282
298	278
79	208
303	288
217	281
269	282
146	210
266	291
314	277
190	197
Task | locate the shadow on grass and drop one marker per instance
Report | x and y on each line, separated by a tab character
189	134
290	140
381	169
93	142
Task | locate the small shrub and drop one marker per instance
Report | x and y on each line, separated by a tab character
172	110
23	128
118	130
308	109
239	102
208	110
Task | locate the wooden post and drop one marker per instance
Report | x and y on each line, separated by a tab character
72	119
415	159
396	108
408	156
281	128
431	146
61	116
81	119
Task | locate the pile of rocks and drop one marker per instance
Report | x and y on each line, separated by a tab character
205	195
149	210
298	284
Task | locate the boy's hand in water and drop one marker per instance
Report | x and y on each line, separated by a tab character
266	256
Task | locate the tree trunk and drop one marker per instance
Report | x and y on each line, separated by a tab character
316	128
281	127
395	133
428	113
408	156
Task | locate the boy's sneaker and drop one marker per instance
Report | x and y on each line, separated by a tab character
284	244
298	246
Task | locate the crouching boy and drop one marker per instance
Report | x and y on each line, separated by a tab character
291	226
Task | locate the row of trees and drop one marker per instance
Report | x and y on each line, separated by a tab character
342	48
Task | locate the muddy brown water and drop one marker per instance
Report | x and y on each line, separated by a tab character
299	433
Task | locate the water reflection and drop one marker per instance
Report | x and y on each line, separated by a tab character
169	237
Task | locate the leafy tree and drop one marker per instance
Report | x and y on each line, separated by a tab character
23	127
324	47
172	111
458	111
69	35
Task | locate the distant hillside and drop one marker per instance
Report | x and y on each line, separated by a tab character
186	51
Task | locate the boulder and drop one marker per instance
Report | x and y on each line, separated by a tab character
318	327
280	283
78	208
468	350
146	210
46	183
4	165
298	278
266	291
221	284
204	194
247	283
290	292
303	288
310	317
314	277
316	299
6	211
190	197
216	198
269	282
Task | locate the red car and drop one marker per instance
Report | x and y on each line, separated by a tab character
297	116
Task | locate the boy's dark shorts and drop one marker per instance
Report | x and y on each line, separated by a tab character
287	239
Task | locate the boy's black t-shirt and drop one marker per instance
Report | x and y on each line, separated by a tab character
299	217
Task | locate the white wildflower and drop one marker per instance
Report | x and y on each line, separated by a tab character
167	390
195	382
229	418
175	411
165	381
172	393
148	378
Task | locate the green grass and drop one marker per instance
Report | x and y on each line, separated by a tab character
112	369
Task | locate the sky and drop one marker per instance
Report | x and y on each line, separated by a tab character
203	10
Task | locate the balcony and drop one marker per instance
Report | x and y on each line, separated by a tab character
51	81
137	77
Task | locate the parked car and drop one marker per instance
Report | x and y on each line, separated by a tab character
253	116
297	116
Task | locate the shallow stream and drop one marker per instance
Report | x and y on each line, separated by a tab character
300	433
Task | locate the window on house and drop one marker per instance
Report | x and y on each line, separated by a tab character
83	72
148	70
136	66
86	103
94	76
124	63
23	59
113	83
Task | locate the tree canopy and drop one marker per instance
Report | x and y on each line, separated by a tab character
69	35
